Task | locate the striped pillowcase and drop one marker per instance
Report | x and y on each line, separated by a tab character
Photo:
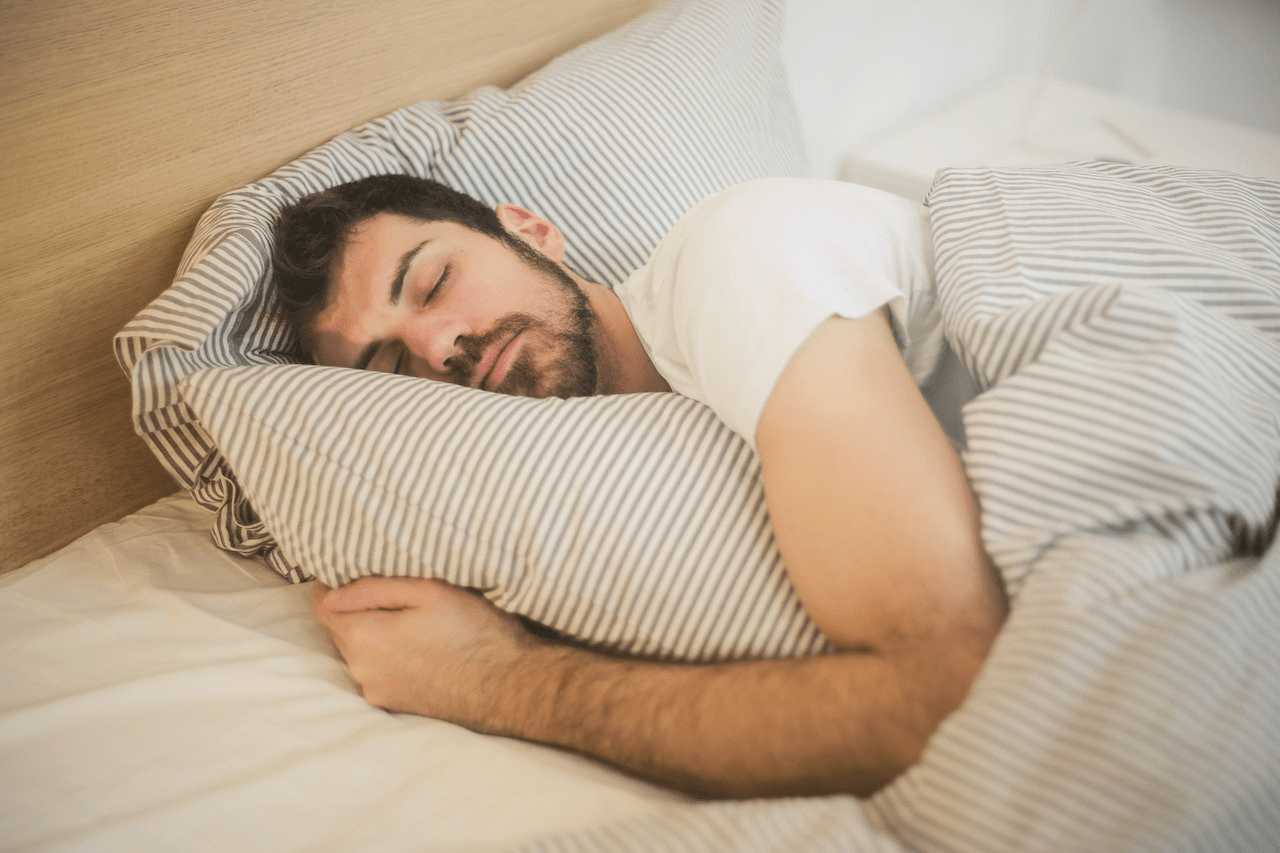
613	142
636	522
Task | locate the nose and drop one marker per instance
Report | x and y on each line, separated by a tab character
432	341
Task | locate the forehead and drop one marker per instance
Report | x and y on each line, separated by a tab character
373	250
369	240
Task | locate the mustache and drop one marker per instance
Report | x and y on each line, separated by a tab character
471	348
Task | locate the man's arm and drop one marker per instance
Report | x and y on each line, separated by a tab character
878	531
870	505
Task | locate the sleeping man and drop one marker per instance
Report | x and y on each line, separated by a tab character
801	312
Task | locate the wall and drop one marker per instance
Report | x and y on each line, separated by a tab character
1218	57
881	62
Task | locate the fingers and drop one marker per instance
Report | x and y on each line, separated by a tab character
378	593
424	646
318	591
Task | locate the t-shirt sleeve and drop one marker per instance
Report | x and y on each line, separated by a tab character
760	268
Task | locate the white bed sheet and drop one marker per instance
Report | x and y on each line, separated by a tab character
158	694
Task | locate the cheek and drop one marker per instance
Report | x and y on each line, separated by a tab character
489	300
522	289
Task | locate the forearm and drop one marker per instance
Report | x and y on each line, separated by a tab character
846	722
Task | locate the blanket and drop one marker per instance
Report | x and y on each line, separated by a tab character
1123	324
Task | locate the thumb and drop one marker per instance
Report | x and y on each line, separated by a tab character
378	593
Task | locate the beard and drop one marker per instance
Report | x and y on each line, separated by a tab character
553	361
558	355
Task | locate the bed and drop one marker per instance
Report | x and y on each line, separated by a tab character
165	686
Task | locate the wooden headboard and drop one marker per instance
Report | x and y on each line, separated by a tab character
120	123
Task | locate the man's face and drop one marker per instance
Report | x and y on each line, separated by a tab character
440	301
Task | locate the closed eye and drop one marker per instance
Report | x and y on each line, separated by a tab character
440	284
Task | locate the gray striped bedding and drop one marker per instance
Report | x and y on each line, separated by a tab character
1124	323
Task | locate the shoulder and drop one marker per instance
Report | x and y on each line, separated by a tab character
797	203
775	222
773	217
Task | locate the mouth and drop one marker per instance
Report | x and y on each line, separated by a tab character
493	368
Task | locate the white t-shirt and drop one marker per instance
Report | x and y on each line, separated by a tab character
745	277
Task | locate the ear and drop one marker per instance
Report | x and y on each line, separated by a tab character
533	229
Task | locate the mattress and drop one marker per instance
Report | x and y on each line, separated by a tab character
160	694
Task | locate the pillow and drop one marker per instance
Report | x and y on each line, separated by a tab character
613	141
634	522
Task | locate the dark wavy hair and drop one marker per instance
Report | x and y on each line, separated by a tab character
310	236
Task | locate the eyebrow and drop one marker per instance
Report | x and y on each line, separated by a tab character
397	289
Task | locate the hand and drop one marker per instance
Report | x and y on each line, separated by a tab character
424	646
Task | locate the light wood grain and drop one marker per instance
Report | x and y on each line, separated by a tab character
119	124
